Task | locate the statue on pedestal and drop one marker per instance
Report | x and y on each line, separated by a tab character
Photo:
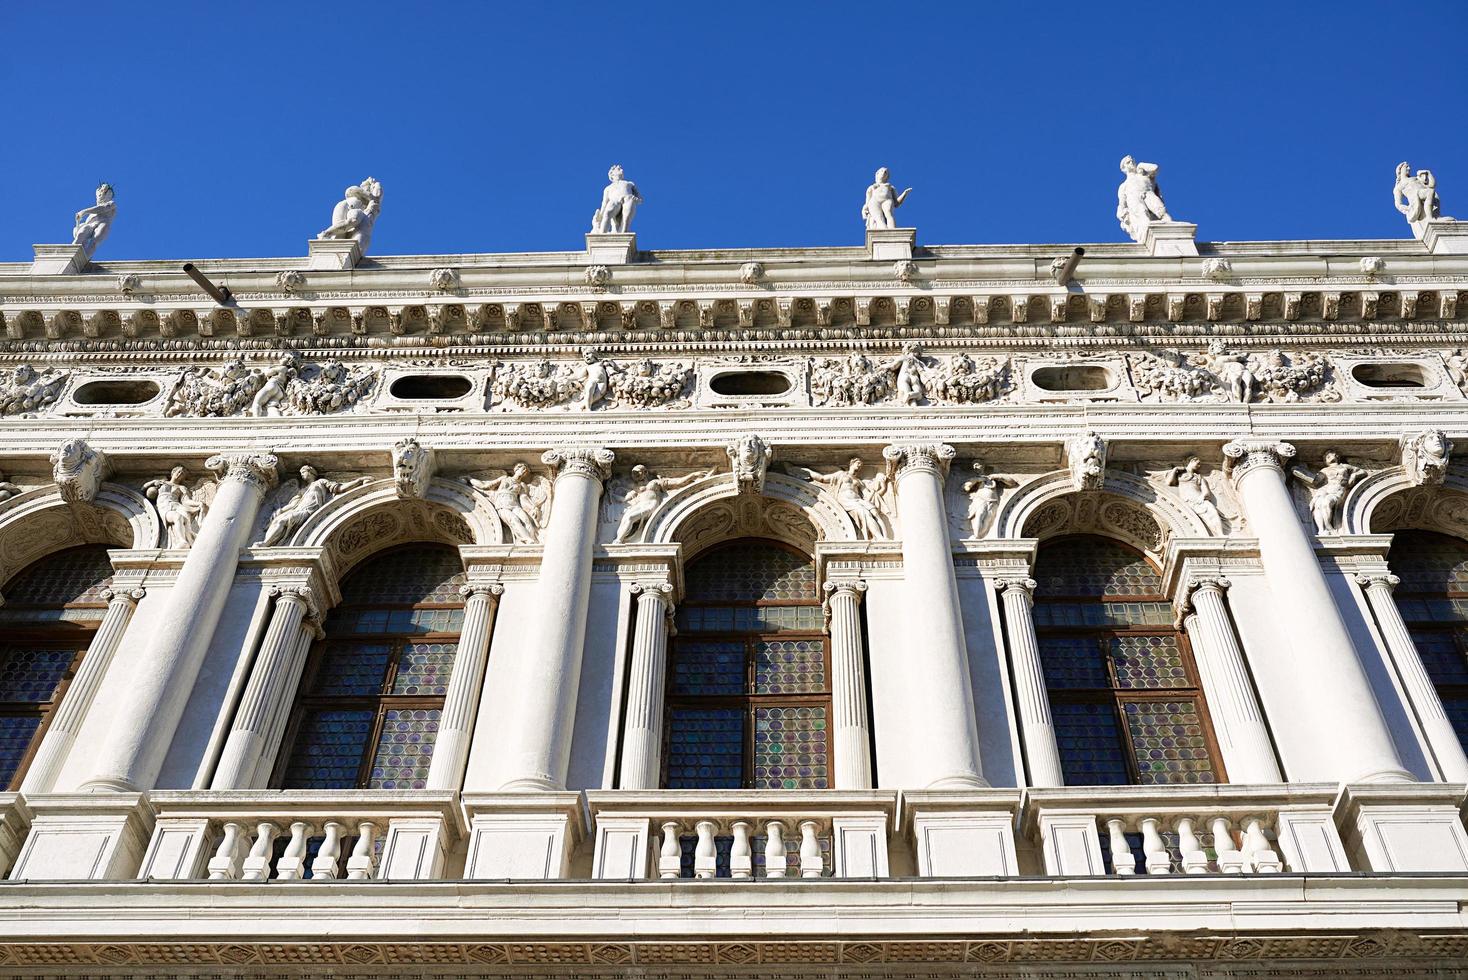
882	200
1138	199
93	223
1416	197
619	202
354	215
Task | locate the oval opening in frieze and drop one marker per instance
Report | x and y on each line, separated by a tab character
115	392
1390	375
434	387
750	383
1082	377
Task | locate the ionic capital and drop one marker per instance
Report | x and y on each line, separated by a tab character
490	590
129	597
1208	583
580	461
1244	455
1020	586
258	470
661	590
853	587
925	457
303	594
1386	581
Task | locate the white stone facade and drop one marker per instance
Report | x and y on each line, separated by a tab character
1256	422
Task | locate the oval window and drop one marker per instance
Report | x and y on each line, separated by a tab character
438	387
1390	375
1084	377
750	383
115	392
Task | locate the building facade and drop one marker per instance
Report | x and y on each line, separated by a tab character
874	611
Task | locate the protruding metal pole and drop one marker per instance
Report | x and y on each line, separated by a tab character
1062	276
221	294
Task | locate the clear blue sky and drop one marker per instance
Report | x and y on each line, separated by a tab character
231	130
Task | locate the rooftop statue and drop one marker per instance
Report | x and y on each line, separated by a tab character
354	215
1138	199
1416	197
618	204
93	223
882	200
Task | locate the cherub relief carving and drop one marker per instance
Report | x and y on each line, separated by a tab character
24	390
521	501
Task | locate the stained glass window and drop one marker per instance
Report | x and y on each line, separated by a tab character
1433	598
1123	687
51	609
369	708
749	692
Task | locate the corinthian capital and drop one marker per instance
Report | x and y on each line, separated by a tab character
1242	455
303	594
580	460
255	469
925	457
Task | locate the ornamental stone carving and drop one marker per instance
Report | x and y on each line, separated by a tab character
1372	266
965	380
1086	458
865	501
911	378
852	380
412	468
355	215
444	280
931	458
598	276
1169	378
290	280
79	471
94	223
905	270
882	201
8	489
1328	488
751	273
257	469
1192	486
580	460
984	492
314	493
180	508
535	384
1425	457
619	201
1217	269
749	459
907	370
1293	377
1138	199
1415	196
286	387
1235	372
218	392
1024	586
1242	455
645	384
129	284
645	494
329	388
521	501
25	391
600	382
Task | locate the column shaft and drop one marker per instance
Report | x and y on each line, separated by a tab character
642	735
275	731
461	700
1037	727
148	712
937	659
851	736
67	721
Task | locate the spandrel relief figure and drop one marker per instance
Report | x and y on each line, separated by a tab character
598	381
619	201
94	223
180	508
645	496
882	201
908	367
860	498
24	390
272	394
1415	196
984	491
1193	487
354	215
1234	371
314	493
1139	199
520	499
1328	488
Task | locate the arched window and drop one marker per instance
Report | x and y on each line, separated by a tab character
1433	600
373	690
51	610
1123	686
749	678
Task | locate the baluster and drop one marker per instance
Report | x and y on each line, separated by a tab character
774	849
1230	859
812	865
360	866
324	867
257	865
670	858
1122	860
225	864
741	857
1195	859
1257	850
1158	861
292	864
705	853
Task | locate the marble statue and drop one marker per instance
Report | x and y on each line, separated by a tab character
984	491
178	508
1234	371
93	223
272	394
1425	457
598	379
619	202
78	470
882	200
1193	487
1138	199
316	491
861	499
749	458
909	368
1416	197
412	468
520	501
8	489
1086	455
647	493
354	215
1328	489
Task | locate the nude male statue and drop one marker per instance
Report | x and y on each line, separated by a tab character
882	200
619	202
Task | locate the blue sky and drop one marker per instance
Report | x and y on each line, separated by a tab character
232	130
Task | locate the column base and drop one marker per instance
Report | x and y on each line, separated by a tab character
611	247
332	254
959	781
107	784
1385	776
1171	238
532	784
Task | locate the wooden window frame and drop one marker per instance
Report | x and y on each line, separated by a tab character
1457	631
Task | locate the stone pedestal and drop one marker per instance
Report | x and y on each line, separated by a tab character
333	254
891	244
522	835
1405	827
611	248
84	837
59	260
1171	238
1442	237
962	833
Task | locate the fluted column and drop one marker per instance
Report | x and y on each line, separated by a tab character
1331	687
937	660
275	734
1238	722
642	735
146	715
851	735
538	747
1036	726
270	684
65	723
1441	737
461	700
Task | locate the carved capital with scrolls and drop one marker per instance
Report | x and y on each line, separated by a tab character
580	461
928	457
1387	581
853	587
490	590
130	597
303	594
1244	455
258	470
1020	586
